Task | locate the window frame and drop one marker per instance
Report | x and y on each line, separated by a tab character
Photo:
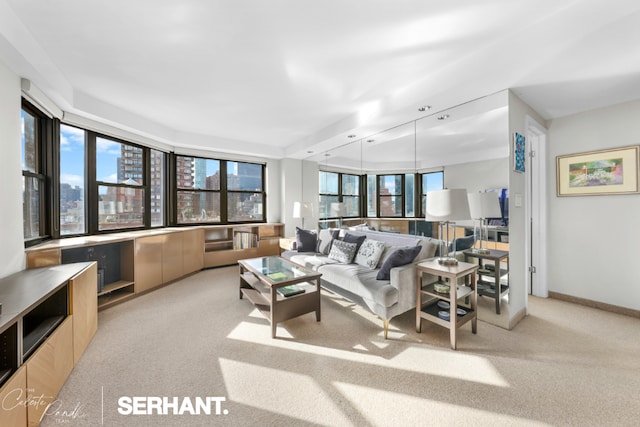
45	151
401	195
59	182
422	191
223	192
340	195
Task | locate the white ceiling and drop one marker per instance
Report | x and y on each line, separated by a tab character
281	78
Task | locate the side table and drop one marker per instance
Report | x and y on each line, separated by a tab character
492	287
432	307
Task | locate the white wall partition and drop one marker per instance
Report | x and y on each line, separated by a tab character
12	247
593	240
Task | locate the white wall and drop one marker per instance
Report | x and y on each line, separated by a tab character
299	183
478	176
593	240
518	265
12	246
272	187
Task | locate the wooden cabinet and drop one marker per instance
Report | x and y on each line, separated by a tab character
84	309
148	263
50	318
48	369
193	250
132	263
226	244
172	257
162	258
12	397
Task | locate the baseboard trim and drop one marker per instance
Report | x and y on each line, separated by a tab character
596	304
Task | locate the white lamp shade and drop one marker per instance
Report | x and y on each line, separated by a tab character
302	210
338	209
484	205
447	205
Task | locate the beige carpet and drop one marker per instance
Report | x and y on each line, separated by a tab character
562	365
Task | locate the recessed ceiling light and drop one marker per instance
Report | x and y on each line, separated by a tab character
443	117
351	136
424	108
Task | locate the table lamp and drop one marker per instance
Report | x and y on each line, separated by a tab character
446	207
302	210
483	205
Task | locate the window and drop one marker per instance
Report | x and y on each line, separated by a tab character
430	182
72	180
245	194
339	187
198	190
372	198
390	195
328	192
120	185
32	179
409	195
218	191
351	194
36	143
157	207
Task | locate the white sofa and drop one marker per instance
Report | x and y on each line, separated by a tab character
357	283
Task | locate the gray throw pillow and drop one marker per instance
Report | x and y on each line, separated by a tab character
343	252
399	257
352	238
325	238
369	253
306	240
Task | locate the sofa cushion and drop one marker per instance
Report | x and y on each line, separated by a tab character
352	238
430	247
311	260
343	252
306	240
388	251
369	253
325	239
399	257
360	281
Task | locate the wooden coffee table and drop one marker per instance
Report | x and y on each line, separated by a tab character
262	278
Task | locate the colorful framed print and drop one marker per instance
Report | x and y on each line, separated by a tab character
613	171
518	153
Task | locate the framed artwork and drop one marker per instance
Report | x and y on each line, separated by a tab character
613	171
518	153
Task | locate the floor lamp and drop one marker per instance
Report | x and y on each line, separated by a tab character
302	210
483	205
446	207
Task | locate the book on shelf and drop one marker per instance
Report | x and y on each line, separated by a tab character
290	290
244	240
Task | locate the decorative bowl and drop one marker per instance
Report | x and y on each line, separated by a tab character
441	288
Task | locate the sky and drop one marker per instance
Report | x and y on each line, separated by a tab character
72	157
